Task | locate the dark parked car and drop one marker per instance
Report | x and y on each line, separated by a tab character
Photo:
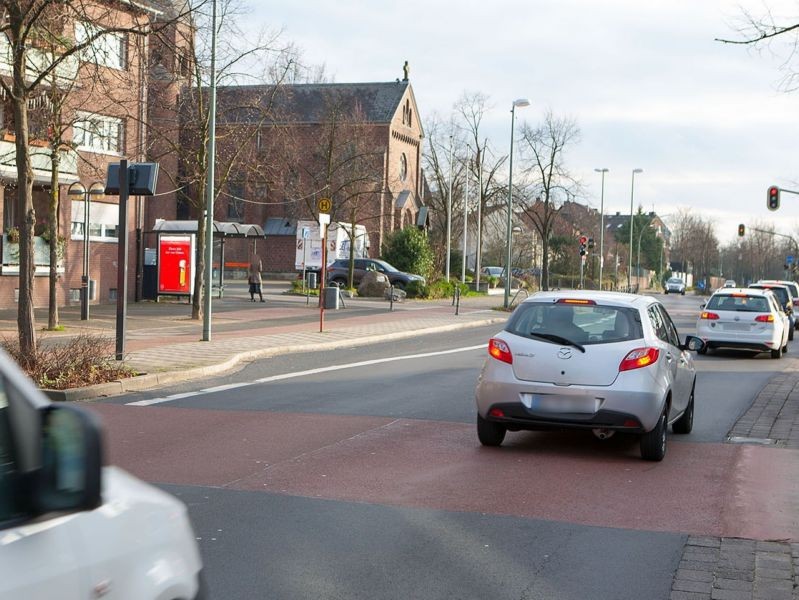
338	272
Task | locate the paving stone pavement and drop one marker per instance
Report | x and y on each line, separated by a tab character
773	417
715	568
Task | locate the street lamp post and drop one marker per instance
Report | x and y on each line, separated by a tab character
521	102
638	261
632	215
601	225
465	224
77	189
449	213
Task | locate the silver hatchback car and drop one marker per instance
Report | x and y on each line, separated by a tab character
601	361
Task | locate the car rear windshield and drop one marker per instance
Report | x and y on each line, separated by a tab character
779	291
739	303
584	324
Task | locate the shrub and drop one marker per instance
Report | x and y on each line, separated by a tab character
409	250
417	289
84	360
441	288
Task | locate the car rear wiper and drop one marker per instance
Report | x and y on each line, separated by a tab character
557	339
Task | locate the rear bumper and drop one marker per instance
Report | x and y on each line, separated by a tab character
517	416
740	345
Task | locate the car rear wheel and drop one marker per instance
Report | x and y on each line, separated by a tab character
685	423
776	353
339	281
682	293
702	350
653	443
490	433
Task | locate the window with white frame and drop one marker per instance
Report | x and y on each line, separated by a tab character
103	221
108	50
98	133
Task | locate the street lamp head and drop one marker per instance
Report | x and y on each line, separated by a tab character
97	189
601	170
638	170
521	102
76	189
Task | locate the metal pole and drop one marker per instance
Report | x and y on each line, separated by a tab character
84	307
601	226
122	260
465	225
449	211
510	210
322	282
632	191
209	200
478	255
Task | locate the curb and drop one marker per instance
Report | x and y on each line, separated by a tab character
153	380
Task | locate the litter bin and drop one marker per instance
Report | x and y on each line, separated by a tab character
331	297
310	280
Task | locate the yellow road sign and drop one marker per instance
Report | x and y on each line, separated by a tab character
324	205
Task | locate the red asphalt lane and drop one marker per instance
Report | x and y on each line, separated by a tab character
704	489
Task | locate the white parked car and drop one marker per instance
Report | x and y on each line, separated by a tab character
601	361
674	285
73	529
744	318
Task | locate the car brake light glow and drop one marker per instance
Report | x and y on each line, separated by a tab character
640	357
709	315
576	301
500	350
496	412
764	318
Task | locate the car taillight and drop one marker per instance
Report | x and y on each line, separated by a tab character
500	350
764	318
709	315
640	357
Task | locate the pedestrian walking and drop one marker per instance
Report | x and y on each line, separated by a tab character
254	277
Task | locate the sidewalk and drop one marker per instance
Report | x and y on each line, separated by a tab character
164	344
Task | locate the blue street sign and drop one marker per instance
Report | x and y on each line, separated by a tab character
789	259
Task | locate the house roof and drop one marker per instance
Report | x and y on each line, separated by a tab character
309	102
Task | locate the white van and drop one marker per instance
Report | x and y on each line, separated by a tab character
71	528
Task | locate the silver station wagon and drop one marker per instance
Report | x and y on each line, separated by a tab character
601	361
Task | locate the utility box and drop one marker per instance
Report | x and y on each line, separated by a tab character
331	296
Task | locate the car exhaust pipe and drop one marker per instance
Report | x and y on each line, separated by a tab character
603	433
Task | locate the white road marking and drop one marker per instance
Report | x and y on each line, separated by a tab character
363	363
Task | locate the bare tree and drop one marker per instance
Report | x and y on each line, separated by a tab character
30	26
241	111
343	162
548	181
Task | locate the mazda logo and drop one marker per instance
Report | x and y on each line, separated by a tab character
565	353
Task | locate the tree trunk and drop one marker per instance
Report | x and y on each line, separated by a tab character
54	228
199	273
26	216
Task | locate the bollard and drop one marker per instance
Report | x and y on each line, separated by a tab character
458	300
391	299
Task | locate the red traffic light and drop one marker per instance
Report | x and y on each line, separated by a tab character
773	198
583	239
741	230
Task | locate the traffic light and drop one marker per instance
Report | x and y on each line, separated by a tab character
741	230
773	199
583	242
590	243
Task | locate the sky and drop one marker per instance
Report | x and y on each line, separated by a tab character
710	124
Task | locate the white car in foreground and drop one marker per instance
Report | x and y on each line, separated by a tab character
601	361
73	529
744	318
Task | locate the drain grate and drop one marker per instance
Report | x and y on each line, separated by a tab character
737	439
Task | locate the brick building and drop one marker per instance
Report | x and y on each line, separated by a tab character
282	148
100	96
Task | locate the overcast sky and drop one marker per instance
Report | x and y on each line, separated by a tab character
644	79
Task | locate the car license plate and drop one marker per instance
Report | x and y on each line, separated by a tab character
552	403
736	326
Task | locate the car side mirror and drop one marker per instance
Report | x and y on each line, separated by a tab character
701	306
71	461
693	343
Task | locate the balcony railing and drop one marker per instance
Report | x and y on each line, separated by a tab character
41	257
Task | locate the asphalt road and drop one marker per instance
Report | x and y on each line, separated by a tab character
356	474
